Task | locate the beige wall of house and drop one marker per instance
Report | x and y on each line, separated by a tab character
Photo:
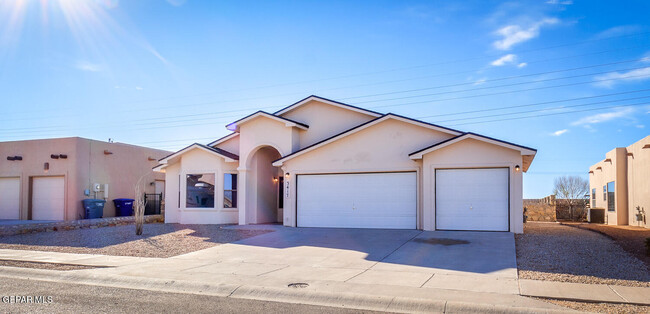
628	168
470	153
324	120
382	147
86	164
196	162
230	145
270	149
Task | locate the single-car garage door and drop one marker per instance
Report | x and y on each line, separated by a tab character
9	198
48	198
472	199
359	200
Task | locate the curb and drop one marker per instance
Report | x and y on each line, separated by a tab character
285	295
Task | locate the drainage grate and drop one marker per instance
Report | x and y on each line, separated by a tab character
298	285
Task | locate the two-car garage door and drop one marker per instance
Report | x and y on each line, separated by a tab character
47	202
465	199
357	200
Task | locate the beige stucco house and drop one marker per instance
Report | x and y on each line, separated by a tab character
322	163
619	184
48	179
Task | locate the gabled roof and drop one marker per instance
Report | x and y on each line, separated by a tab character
523	149
329	102
227	156
527	152
288	122
361	127
223	139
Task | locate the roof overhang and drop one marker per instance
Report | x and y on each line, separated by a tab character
527	153
170	159
223	139
329	102
287	122
361	127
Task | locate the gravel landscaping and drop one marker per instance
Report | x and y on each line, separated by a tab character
599	307
630	238
551	251
158	240
43	265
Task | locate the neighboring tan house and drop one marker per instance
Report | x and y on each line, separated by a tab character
48	179
321	163
619	184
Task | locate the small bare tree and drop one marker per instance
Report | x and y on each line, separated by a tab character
139	205
571	188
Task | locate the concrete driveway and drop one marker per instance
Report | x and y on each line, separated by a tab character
474	261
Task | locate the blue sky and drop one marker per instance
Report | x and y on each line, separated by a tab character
572	74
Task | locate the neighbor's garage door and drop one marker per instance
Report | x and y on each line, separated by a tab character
472	199
360	200
9	198
48	198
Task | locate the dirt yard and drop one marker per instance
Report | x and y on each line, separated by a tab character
158	240
630	238
555	252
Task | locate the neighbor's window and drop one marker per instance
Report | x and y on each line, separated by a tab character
611	205
200	190
604	192
229	190
593	197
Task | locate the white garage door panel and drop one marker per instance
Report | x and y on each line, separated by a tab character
48	198
472	199
9	198
371	200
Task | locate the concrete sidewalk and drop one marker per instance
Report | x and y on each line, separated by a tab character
585	292
250	280
73	258
356	296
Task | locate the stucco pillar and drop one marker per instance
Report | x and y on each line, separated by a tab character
241	197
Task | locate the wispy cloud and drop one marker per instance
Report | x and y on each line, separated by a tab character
480	81
618	31
603	117
139	88
509	58
515	34
610	79
565	2
522	65
559	132
89	67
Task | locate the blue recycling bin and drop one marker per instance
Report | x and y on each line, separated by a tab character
123	206
93	208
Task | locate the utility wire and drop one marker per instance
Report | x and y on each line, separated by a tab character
553	114
428	88
335	88
534	104
157	126
543	109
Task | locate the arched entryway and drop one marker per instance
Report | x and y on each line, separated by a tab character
263	203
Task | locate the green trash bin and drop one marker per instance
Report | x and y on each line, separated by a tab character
94	208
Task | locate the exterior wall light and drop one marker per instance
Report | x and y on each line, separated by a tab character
286	175
275	179
517	168
46	167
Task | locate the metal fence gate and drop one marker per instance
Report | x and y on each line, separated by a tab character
153	203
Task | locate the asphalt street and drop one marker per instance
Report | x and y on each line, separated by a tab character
75	298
